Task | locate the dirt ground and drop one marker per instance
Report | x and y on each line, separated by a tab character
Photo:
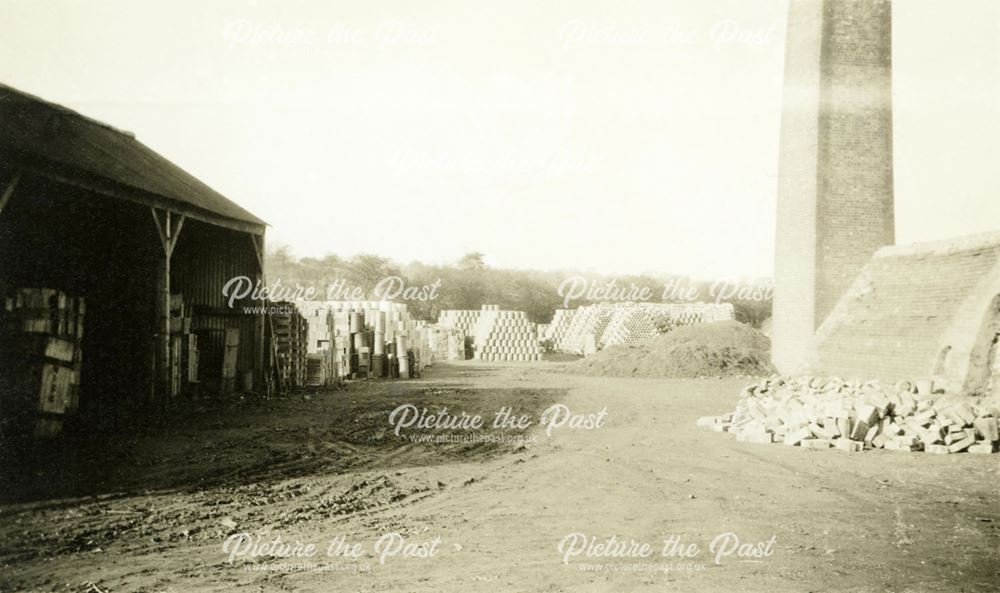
152	511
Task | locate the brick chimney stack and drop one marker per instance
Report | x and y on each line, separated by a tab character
835	190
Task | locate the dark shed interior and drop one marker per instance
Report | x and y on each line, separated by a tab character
85	210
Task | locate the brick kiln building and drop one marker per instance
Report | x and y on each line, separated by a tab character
845	301
929	310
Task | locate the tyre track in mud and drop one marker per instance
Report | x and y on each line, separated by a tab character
297	464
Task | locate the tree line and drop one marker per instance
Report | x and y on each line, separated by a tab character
468	283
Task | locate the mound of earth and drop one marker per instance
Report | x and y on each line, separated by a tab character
722	348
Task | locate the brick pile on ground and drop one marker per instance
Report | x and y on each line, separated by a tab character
822	413
721	348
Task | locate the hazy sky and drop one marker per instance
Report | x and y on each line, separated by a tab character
605	135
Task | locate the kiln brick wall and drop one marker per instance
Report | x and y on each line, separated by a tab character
905	308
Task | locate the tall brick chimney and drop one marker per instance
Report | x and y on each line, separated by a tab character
835	196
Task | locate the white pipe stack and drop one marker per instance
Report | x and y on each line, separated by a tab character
404	361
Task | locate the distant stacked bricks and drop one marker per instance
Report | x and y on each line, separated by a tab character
506	336
592	327
367	339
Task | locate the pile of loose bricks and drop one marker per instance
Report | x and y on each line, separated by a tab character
822	413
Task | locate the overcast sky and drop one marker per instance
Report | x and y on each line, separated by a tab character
605	135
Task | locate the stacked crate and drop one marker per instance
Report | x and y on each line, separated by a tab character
183	347
315	370
319	346
291	337
506	336
41	361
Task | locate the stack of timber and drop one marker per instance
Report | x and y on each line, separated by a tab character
828	413
319	363
290	335
41	358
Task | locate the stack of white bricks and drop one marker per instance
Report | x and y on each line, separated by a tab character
630	324
585	328
611	324
445	343
316	313
561	320
460	319
506	336
823	413
388	326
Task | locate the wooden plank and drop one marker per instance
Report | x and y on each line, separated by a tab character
163	359
159	228
175	232
7	193
229	358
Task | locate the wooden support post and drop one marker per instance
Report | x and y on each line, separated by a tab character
168	231
262	376
7	193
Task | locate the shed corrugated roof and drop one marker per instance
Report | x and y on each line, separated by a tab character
37	130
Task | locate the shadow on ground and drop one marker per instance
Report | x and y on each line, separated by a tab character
251	440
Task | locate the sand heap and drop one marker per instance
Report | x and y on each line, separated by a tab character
854	416
721	348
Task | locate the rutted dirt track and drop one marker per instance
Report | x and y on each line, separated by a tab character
150	512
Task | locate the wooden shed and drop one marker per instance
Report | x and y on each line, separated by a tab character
88	210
